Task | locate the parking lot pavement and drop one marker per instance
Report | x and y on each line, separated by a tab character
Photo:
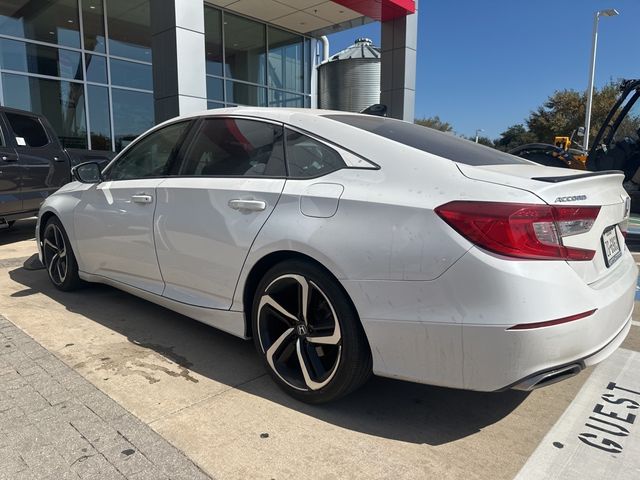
207	394
17	243
54	424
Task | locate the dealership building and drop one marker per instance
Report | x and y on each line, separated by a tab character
104	71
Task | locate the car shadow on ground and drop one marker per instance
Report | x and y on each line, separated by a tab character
22	230
385	408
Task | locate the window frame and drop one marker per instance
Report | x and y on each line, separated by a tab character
15	135
175	157
196	130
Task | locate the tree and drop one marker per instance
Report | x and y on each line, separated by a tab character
434	122
560	115
564	111
513	137
486	141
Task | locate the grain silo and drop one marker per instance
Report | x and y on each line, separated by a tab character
350	80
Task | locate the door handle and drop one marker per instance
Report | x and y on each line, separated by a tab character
249	205
58	159
142	198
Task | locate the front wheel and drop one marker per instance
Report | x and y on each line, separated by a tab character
58	257
308	333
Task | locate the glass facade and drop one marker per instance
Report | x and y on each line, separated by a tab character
251	63
84	64
87	66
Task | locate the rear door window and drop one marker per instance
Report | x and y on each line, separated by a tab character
428	140
232	147
29	131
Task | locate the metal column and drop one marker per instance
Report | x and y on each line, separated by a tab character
398	83
179	69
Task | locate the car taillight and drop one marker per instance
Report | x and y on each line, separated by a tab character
520	230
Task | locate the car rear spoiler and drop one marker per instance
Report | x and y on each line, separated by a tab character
566	178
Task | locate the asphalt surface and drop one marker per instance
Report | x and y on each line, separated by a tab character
206	393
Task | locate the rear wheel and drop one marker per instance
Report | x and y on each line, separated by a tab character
58	257
308	333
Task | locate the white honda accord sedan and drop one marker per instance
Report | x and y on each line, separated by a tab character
346	245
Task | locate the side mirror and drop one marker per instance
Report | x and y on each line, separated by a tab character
580	132
88	172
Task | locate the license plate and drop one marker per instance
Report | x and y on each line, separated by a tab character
611	246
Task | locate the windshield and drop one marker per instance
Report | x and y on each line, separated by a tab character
428	140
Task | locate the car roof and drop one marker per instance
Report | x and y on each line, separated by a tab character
18	111
280	114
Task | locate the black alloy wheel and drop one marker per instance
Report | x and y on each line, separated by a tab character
58	257
308	333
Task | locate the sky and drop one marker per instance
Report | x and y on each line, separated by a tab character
488	64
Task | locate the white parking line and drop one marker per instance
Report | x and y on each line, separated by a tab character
637	324
598	435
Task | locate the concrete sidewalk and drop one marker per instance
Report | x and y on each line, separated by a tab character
56	425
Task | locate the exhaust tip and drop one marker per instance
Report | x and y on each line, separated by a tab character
549	377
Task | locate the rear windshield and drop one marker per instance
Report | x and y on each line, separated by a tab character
428	140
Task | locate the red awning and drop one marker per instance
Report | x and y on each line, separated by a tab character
381	10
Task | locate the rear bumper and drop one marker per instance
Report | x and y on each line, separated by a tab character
562	372
453	331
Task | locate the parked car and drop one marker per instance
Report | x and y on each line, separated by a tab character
33	163
347	244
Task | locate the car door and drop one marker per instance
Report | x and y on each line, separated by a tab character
45	166
114	219
10	176
206	219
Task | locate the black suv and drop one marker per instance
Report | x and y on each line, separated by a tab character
33	163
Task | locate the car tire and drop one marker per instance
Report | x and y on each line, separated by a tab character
58	257
315	354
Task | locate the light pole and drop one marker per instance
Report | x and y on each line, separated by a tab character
478	130
611	12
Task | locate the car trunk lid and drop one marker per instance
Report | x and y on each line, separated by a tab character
565	188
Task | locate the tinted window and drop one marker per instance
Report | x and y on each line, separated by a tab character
130	74
52	22
233	147
429	140
213	40
93	25
151	157
245	49
132	115
99	117
307	157
96	68
28	130
243	94
285	60
33	58
129	25
215	89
